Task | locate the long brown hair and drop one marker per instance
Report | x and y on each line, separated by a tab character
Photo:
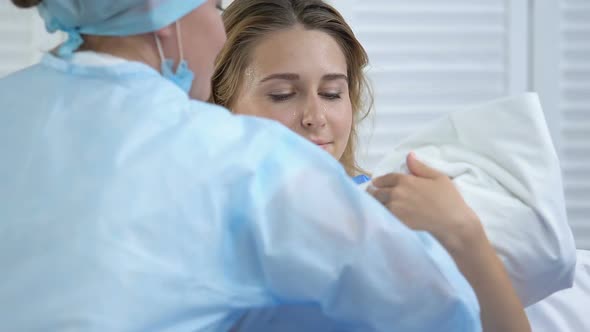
248	21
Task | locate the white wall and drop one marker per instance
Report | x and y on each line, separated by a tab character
23	37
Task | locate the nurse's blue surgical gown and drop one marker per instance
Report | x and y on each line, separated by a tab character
125	206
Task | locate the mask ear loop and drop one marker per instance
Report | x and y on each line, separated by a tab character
159	46
179	40
179	37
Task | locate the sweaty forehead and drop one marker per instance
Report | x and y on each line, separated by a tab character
299	51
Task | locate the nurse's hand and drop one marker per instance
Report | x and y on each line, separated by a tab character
427	200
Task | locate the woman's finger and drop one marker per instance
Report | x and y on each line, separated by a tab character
388	180
420	169
382	195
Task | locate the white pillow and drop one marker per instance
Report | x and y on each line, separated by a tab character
501	158
569	309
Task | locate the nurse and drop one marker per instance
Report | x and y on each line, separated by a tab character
129	204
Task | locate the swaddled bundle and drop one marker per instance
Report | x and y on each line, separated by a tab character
502	160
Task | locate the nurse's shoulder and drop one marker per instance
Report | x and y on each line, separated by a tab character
254	142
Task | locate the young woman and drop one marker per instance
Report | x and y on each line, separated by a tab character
298	62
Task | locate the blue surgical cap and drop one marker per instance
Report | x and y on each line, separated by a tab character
110	17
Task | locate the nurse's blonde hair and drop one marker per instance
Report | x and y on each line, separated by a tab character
248	21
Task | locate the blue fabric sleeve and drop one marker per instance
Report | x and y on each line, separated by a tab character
329	244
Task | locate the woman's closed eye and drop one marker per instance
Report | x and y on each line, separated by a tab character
331	95
279	97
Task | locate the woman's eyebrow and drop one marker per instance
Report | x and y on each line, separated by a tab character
281	76
334	77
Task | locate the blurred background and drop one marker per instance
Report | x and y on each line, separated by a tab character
429	57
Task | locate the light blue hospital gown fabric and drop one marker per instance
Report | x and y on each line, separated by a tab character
125	206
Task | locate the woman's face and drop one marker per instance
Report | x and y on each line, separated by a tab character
298	77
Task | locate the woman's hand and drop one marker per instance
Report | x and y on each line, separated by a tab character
427	200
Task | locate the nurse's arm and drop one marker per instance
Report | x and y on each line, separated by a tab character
331	244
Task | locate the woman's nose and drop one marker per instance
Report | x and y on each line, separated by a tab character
314	114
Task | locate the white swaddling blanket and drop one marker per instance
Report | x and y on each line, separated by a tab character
502	160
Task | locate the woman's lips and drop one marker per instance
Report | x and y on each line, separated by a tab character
322	143
324	146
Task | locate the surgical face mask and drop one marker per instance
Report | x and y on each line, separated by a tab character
183	77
